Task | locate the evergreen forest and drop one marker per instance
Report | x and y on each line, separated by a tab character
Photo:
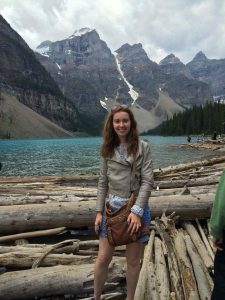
196	120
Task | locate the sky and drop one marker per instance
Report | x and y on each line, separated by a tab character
181	27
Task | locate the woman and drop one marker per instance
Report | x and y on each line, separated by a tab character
120	146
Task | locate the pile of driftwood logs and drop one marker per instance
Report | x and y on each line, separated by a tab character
205	144
48	246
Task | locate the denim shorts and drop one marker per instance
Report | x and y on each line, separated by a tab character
146	218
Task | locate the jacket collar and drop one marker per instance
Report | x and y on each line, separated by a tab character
129	160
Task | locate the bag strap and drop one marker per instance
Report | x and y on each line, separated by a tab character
133	171
132	198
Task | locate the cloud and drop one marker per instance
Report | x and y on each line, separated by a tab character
182	27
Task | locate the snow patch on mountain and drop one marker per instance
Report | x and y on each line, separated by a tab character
80	32
103	103
134	95
58	66
43	51
44	48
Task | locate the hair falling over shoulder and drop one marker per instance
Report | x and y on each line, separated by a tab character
110	138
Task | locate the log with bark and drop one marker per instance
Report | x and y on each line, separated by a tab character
162	278
175	275
201	248
199	270
25	260
22	218
184	264
48	199
58	280
188	166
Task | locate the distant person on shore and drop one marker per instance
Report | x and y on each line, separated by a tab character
189	139
217	225
198	140
121	145
223	127
214	137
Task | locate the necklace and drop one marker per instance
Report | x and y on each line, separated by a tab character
122	151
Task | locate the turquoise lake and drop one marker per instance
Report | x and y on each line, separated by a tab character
81	155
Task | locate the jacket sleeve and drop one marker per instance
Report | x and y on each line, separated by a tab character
217	220
147	177
102	185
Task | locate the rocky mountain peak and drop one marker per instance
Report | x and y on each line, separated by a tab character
210	71
130	48
170	59
171	65
86	71
43	48
8	32
81	32
200	57
198	65
46	43
133	52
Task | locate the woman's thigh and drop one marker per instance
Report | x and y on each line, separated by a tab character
134	252
105	251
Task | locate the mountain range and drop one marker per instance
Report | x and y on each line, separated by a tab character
73	82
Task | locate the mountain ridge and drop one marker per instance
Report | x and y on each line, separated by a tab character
23	75
77	58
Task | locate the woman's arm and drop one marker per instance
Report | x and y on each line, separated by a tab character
147	177
102	185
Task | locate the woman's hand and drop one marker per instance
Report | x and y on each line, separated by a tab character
218	243
98	221
134	222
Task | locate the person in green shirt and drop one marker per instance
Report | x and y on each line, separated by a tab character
217	225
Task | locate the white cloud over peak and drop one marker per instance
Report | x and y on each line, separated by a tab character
182	27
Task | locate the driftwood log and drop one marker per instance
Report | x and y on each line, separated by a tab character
199	270
142	286
68	246
201	248
184	263
192	165
162	278
25	260
175	274
22	218
58	280
37	233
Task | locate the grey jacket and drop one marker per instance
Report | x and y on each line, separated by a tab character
115	176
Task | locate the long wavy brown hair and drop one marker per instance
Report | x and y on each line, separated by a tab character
111	139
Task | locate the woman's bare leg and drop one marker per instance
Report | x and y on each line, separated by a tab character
134	253
103	260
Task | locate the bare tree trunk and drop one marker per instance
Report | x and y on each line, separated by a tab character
199	270
196	239
22	218
58	280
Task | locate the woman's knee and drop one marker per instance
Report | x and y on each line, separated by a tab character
134	254
104	260
133	262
